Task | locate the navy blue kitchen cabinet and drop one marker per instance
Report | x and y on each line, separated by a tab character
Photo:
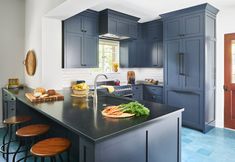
148	47
9	105
153	93
184	26
154	53
80	40
128	54
153	30
189	64
119	25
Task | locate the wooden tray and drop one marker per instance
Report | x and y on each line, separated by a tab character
57	97
124	115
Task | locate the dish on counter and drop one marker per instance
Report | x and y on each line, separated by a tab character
126	110
80	90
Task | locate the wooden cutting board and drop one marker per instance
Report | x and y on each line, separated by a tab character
31	98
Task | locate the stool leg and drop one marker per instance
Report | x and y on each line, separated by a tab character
42	159
4	141
61	159
26	150
68	156
53	159
8	145
17	150
35	159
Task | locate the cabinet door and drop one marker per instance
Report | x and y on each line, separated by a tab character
90	54
123	28
156	53
193	25
11	109
73	50
90	25
154	30
142	60
173	28
112	26
133	30
74	24
124	54
132	54
164	141
172	64
192	104
193	59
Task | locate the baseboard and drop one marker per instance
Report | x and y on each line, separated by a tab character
219	124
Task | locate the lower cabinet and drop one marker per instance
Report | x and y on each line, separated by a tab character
153	93
192	102
156	142
9	105
148	92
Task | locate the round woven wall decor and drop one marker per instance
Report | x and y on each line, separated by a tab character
30	62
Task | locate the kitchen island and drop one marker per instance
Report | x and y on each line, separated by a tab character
155	138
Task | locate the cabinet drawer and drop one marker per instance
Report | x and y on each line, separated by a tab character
8	97
153	90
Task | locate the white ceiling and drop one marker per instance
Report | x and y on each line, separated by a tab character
146	10
151	9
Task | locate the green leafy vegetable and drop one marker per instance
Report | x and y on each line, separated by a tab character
135	108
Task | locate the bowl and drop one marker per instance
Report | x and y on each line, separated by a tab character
80	92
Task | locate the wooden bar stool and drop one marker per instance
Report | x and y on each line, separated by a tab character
10	123
51	148
29	133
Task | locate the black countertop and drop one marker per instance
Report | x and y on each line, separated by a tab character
82	118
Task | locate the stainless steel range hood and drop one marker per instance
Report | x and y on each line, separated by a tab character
110	36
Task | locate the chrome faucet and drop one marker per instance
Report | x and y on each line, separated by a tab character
95	86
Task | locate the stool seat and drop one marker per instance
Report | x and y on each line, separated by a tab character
17	119
50	147
32	130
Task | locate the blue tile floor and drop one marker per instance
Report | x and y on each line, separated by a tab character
218	145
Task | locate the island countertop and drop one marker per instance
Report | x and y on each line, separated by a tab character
88	121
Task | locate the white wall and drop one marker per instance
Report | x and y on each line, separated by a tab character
11	41
225	24
34	13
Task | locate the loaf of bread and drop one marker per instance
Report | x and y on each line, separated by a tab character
40	90
51	92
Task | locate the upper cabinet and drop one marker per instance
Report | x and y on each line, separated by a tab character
117	25
184	26
148	47
153	30
80	40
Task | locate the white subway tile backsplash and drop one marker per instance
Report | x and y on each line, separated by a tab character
88	75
